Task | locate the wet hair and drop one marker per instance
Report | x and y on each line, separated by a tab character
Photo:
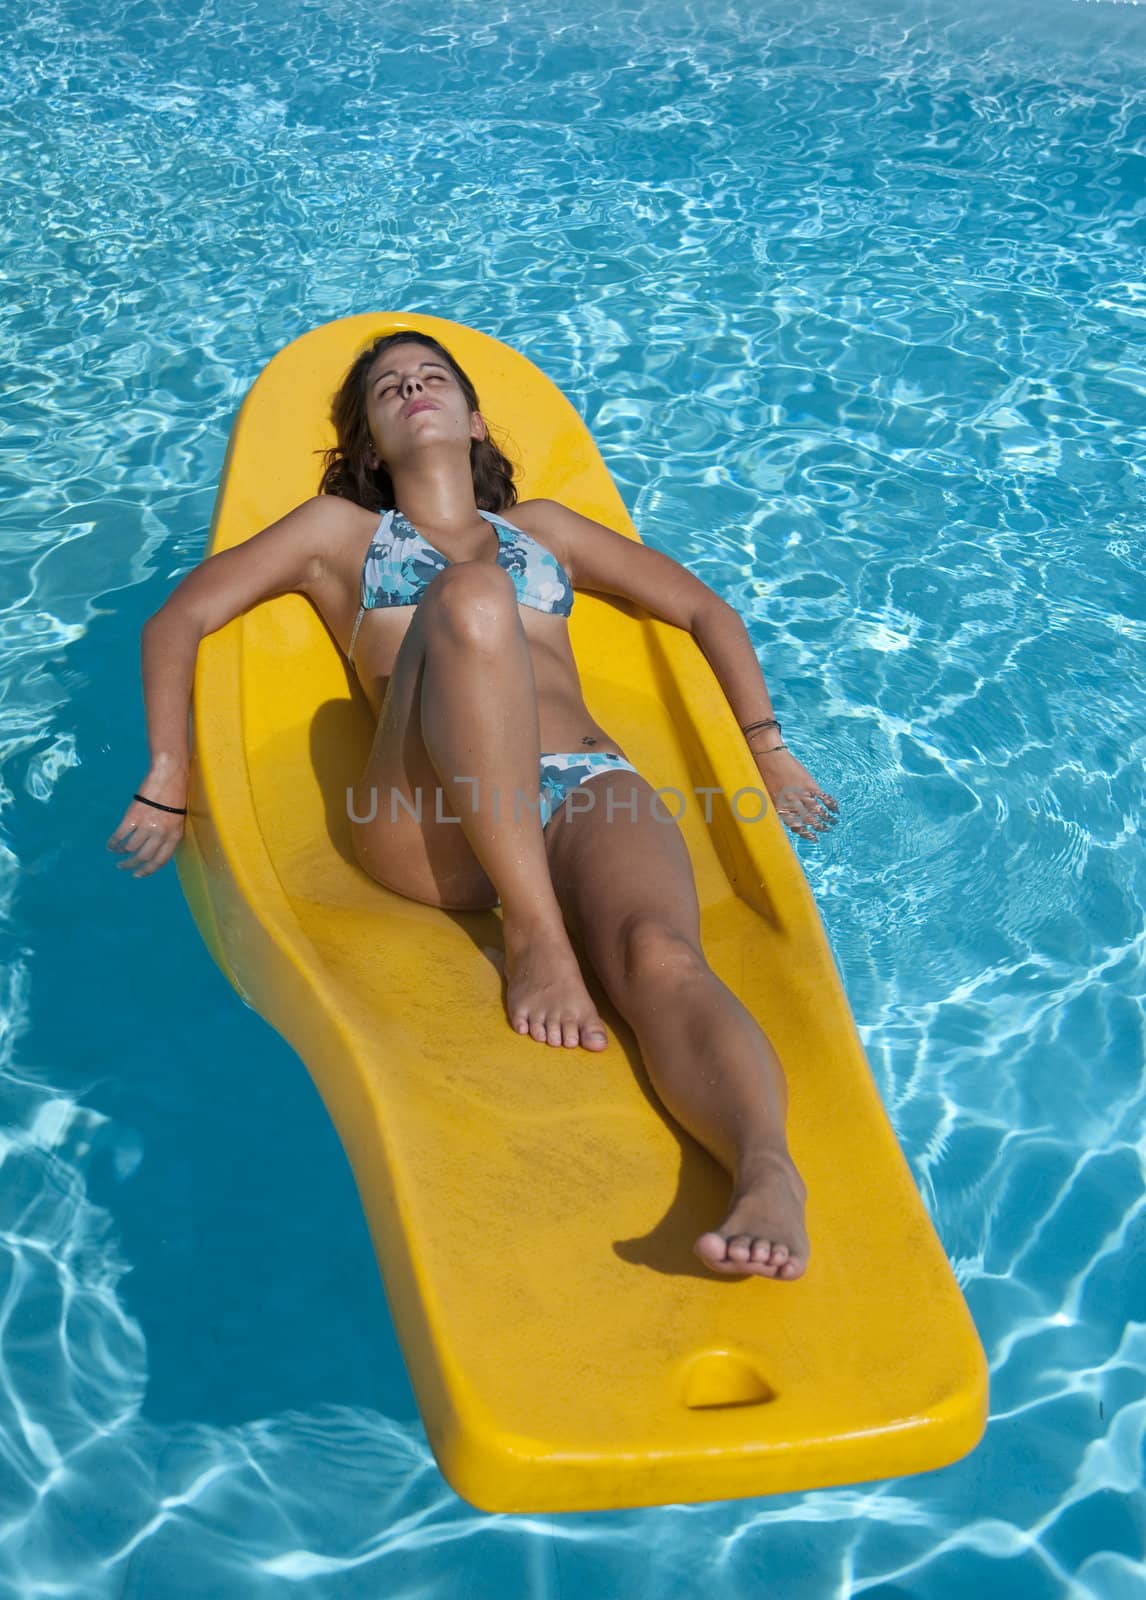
346	471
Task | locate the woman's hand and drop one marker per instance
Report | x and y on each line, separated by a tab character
798	798
149	836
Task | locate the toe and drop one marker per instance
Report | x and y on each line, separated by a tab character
740	1247
593	1036
553	1030
570	1032
537	1029
710	1247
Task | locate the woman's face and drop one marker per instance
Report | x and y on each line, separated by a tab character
413	400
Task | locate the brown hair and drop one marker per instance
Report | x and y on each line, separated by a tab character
345	468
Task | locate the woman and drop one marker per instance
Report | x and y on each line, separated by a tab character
456	623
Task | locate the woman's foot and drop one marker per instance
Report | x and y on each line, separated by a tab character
546	995
763	1233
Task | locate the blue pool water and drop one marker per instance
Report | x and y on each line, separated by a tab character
851	294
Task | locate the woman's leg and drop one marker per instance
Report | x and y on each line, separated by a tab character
460	717
627	891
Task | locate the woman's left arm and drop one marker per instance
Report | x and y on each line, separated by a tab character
721	633
598	558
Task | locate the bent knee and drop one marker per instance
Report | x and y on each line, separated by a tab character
410	873
469	599
654	951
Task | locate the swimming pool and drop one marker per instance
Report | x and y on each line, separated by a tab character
851	299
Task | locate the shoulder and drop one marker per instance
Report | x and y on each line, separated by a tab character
331	521
334	512
291	555
599	558
328	516
527	514
575	540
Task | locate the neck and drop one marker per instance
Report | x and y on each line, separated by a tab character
438	497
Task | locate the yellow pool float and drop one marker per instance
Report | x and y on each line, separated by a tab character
534	1210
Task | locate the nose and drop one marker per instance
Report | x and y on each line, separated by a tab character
408	388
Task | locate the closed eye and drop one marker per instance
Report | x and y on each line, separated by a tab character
382	393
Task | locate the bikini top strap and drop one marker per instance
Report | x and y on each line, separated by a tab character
496	517
354	634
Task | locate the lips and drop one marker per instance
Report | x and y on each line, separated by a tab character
419	405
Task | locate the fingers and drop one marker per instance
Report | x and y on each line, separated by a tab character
147	845
152	854
127	836
806	811
820	816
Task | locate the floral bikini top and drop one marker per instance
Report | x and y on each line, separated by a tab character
400	564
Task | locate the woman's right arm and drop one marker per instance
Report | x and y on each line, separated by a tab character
287	557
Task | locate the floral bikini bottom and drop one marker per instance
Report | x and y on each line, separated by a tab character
563	770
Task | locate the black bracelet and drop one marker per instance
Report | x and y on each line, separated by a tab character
768	722
180	811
